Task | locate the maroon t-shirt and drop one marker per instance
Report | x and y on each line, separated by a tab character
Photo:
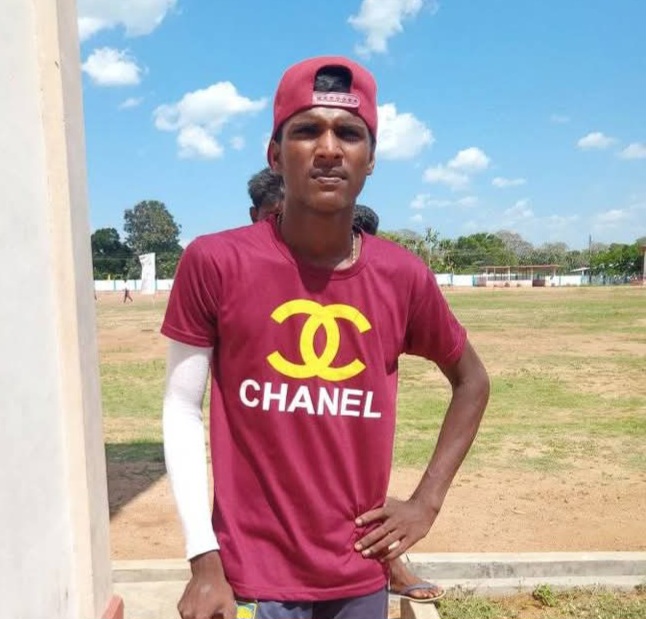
303	399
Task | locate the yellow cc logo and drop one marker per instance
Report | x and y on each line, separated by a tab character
324	316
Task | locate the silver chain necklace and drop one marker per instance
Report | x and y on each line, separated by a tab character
353	239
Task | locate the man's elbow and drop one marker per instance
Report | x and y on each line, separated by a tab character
481	386
471	378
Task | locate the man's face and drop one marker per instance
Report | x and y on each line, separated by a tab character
264	211
324	157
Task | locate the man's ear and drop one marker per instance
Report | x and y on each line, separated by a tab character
275	162
253	213
371	163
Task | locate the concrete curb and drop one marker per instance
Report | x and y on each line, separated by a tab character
152	588
454	568
476	566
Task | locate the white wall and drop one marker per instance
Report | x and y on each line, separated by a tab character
564	280
54	559
463	280
118	285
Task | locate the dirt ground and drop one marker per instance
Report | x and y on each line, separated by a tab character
498	512
491	510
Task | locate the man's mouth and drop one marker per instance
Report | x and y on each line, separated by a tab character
331	176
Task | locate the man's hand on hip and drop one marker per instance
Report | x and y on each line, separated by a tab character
402	524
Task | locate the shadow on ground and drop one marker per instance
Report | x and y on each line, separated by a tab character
132	468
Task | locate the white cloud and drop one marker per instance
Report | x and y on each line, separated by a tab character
560	221
596	140
417	218
401	136
199	117
470	160
634	151
196	143
138	17
559	119
467	202
111	67
503	183
611	217
130	103
520	210
455	174
424	200
379	20
237	142
420	201
442	175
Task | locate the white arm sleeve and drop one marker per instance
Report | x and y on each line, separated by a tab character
184	444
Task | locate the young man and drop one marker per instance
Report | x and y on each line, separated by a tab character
302	322
266	192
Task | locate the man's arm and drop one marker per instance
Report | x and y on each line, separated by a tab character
207	593
405	522
470	387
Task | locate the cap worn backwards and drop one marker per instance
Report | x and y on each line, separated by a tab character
296	92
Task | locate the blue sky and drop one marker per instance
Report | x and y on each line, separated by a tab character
503	114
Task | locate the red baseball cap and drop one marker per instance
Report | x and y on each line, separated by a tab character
296	92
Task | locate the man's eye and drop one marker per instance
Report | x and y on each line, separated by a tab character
350	133
305	130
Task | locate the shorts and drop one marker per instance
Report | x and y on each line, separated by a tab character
371	606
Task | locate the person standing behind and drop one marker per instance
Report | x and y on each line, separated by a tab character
365	219
266	192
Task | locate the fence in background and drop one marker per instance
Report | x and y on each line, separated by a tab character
443	279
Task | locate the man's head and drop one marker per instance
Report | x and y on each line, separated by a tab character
266	192
365	219
325	126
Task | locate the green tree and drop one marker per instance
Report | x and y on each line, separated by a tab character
618	260
575	259
434	251
150	227
110	257
551	253
412	241
517	246
471	252
440	260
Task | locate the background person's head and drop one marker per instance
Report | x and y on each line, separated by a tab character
365	219
323	139
266	192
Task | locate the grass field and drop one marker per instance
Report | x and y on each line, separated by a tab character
545	603
559	464
568	370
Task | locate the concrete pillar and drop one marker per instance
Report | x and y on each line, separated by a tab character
54	546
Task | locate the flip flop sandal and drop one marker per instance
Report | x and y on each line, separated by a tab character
423	586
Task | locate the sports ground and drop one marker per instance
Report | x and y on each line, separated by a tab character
560	461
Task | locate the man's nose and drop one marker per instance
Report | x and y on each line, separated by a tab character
328	145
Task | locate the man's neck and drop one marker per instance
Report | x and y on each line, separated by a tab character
321	239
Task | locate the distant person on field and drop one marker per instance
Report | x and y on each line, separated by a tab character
126	295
